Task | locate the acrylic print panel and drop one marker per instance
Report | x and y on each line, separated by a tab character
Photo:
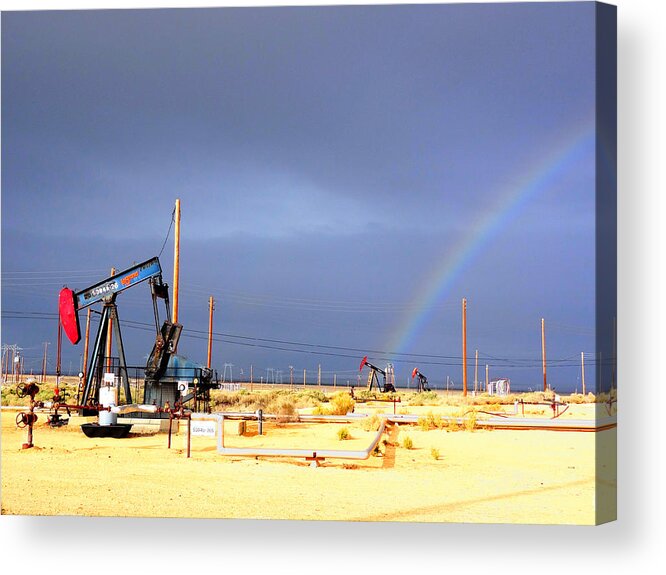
386	279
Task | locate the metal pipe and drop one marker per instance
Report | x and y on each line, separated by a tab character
134	408
307	453
523	423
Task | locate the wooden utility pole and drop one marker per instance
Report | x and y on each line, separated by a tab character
335	380
303	378
476	370
85	346
46	347
59	353
464	345
582	369
211	307
543	352
319	375
487	380
251	376
176	262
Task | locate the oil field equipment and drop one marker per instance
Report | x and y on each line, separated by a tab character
388	381
27	418
169	379
423	380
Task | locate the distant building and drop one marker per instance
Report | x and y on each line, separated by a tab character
499	386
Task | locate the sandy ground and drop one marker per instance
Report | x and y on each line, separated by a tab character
480	477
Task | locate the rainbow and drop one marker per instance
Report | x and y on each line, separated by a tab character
436	285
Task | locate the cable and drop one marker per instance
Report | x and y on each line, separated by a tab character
173	217
382	354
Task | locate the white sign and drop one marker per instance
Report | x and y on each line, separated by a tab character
204	428
109	378
182	387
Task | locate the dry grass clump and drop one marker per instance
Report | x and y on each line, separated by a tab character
434	453
579	398
452	425
370	423
537	396
343	434
424	398
341	404
469	421
280	399
284	407
431	421
365	395
606	397
407	442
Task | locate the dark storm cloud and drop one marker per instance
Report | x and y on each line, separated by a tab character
320	153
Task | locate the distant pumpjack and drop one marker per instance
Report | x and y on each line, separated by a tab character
373	379
423	380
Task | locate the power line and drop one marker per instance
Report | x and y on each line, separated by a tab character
314	349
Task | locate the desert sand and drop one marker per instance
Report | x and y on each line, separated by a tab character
480	476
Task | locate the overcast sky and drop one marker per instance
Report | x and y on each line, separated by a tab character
329	161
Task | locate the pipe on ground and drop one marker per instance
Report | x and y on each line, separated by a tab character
274	452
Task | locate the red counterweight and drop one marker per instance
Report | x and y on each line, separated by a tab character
69	317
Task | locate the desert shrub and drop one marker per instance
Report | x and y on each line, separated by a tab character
268	400
370	423
538	396
434	453
430	421
341	404
494	400
578	398
424	398
283	407
309	397
603	397
365	395
469	421
452	425
407	442
343	433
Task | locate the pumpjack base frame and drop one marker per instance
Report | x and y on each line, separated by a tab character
116	430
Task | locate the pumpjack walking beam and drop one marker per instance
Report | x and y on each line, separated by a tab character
106	292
